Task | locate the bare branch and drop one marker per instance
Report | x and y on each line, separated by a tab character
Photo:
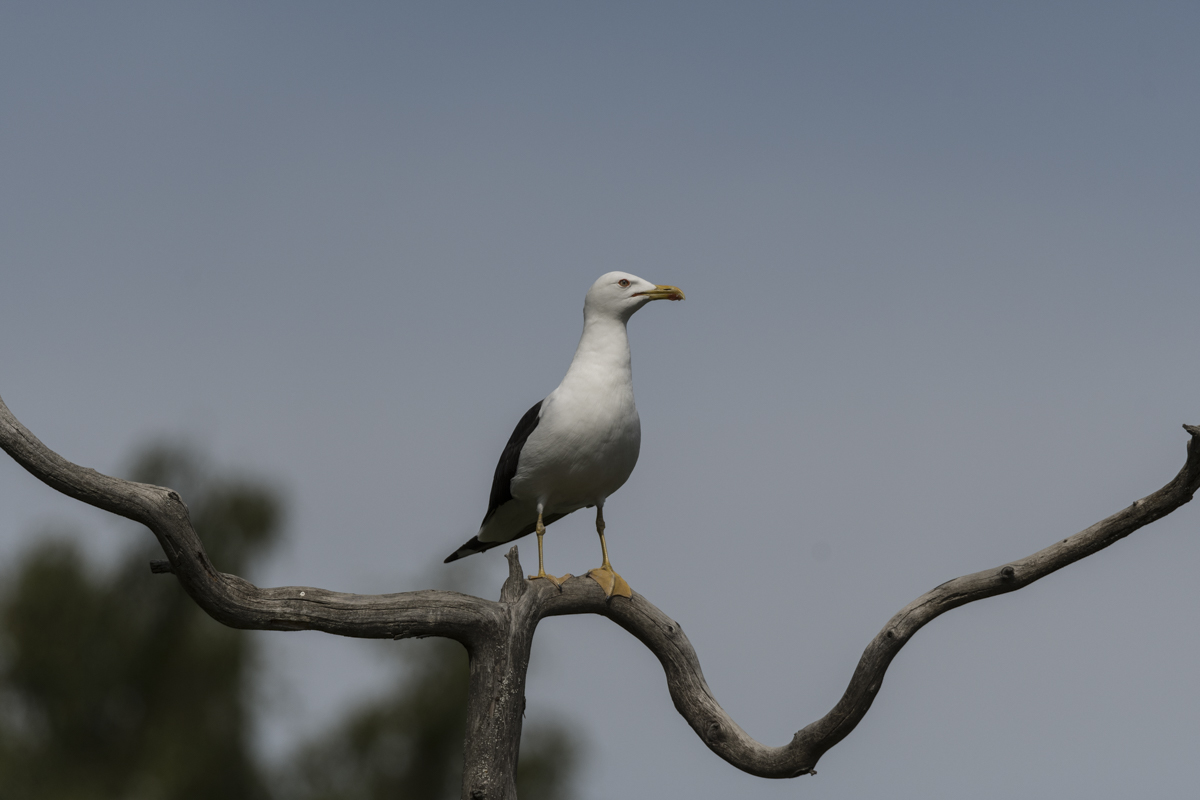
816	738
498	634
234	601
695	702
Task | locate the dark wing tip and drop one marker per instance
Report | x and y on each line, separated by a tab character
470	548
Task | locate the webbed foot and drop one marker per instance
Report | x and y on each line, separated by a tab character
556	581
612	583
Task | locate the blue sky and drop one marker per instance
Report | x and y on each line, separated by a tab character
940	261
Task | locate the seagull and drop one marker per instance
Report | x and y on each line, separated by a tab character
578	445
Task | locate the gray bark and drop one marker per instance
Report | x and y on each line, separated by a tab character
498	634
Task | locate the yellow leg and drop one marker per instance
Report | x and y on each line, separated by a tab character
541	531
605	575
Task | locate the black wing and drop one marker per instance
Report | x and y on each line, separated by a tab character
507	468
476	546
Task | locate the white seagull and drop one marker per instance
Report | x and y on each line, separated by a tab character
579	445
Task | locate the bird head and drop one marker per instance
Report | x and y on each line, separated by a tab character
619	294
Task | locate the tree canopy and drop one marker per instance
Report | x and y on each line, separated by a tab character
115	684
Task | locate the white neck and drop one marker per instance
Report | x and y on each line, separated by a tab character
603	350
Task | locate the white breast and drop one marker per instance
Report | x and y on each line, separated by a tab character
584	447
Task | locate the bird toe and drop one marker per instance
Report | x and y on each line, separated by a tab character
612	583
556	581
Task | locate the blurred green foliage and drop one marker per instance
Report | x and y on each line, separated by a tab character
113	684
408	744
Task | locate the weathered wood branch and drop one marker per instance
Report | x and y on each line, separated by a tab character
498	635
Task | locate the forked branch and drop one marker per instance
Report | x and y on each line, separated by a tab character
498	635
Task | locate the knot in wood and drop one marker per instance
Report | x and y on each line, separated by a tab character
1007	573
713	731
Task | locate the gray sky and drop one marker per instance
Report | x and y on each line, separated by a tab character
941	266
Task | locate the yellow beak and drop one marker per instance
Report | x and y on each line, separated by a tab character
663	293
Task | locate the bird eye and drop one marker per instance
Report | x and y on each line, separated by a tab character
623	283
